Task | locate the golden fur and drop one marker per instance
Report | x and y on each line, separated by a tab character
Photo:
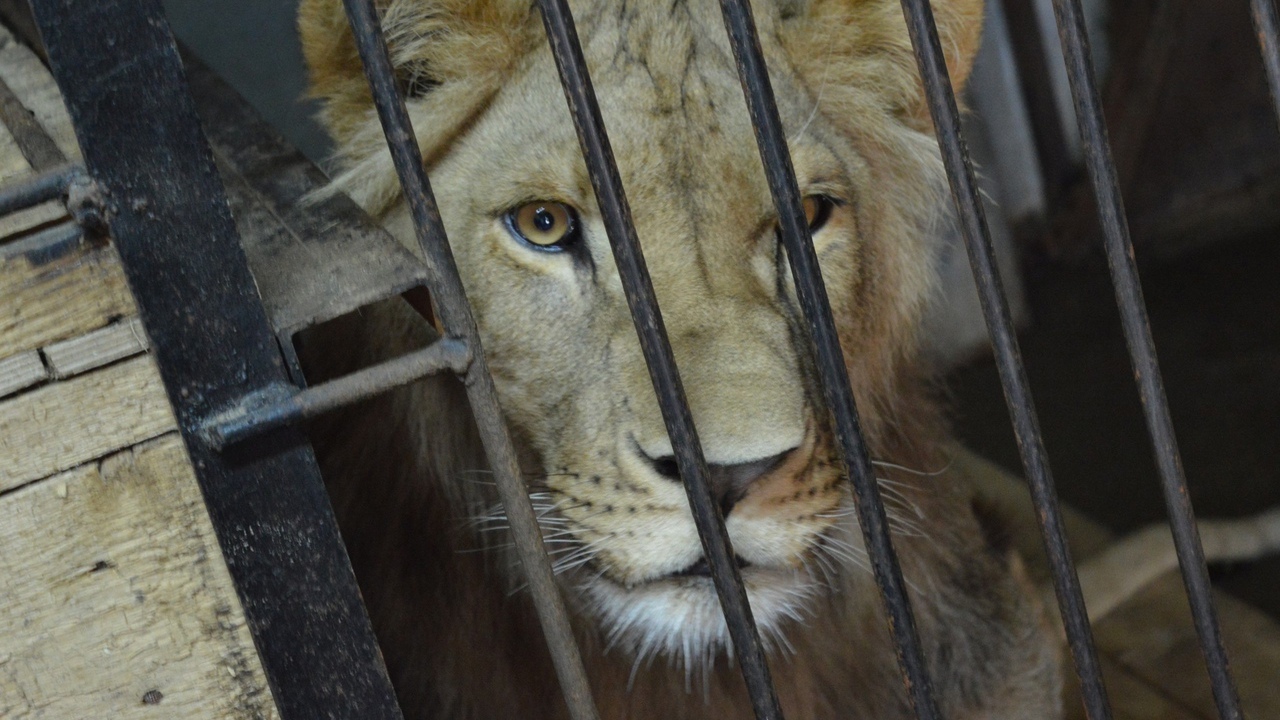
407	476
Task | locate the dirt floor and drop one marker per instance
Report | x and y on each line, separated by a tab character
1215	315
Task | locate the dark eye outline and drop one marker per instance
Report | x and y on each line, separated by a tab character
570	238
826	205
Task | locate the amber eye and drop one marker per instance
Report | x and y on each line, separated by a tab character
545	225
817	210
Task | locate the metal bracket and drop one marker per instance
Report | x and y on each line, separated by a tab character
280	404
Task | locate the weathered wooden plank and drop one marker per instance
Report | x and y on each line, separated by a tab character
21	371
116	601
49	297
30	218
113	342
1153	638
12	163
64	424
37	92
31	82
1131	698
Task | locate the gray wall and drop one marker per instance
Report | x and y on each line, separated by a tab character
254	45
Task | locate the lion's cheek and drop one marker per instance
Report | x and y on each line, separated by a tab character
648	549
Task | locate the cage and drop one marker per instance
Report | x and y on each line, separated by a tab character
151	382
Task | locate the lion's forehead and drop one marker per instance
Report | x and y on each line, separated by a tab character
674	111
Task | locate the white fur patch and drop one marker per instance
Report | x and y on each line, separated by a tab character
680	617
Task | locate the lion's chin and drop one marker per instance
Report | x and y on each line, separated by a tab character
679	617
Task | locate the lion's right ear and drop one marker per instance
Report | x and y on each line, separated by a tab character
433	43
860	52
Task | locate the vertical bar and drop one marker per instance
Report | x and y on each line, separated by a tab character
1004	343
1036	83
118	68
1142	353
1267	25
451	303
657	352
832	372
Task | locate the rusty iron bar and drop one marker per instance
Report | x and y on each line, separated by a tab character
1267	25
455	313
117	66
616	212
829	358
1008	356
1142	352
48	185
283	405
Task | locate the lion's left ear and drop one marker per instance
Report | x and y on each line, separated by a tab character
862	49
960	31
466	44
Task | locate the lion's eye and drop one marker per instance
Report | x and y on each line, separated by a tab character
817	210
549	226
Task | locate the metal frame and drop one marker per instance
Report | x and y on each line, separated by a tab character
140	137
161	194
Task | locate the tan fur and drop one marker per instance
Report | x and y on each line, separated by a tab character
406	473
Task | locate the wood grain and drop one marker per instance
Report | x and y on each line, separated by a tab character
116	601
21	371
100	347
44	300
62	425
12	163
36	90
31	82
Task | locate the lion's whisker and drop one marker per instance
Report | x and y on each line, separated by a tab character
904	468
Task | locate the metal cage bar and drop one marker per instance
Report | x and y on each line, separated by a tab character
122	79
1267	24
825	344
1008	356
450	302
1142	352
151	237
611	198
47	185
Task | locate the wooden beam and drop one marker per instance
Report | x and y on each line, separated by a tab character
62	425
21	371
58	294
116	601
100	347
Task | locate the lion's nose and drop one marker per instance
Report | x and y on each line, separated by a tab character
729	483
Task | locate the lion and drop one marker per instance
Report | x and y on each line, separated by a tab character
408	478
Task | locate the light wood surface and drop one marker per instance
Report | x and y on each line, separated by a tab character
100	347
62	425
115	601
43	302
21	371
23	72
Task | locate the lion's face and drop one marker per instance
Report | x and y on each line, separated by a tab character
530	245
